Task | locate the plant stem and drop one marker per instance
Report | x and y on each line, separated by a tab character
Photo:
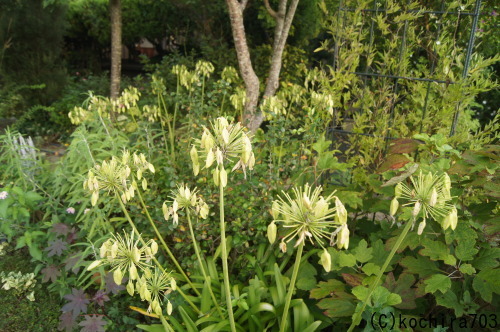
165	246
166	325
224	259
197	251
154	258
356	318
292	286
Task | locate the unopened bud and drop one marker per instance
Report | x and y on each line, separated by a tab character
94	265
130	288
164	209
421	227
271	232
321	208
204	211
216	176
326	260
210	158
117	276
275	211
341	214
283	246
154	247
416	209
114	249
223	177
394	206
343	237
433	198
169	308
133	272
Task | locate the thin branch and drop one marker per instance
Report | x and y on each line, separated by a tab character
270	10
243	4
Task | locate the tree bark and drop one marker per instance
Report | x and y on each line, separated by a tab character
251	80
116	47
252	117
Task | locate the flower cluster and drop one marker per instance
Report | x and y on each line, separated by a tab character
308	215
185	198
223	144
117	176
22	283
430	197
123	255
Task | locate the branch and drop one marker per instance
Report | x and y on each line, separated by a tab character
243	4
270	10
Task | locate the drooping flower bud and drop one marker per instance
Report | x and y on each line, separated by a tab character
283	247
321	208
154	247
216	176
130	288
326	260
210	158
223	177
133	272
398	190
394	206
164	209
169	308
114	249
136	255
416	209
95	197
204	211
343	237
118	276
421	227
271	232
94	265
341	215
433	198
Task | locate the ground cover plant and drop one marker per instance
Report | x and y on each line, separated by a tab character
352	207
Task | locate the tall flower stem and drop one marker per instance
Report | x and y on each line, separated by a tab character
154	258
198	256
165	246
166	325
356	318
291	287
224	259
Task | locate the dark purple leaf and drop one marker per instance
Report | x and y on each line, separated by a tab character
51	273
72	235
77	302
71	263
93	323
100	297
66	322
56	247
111	286
60	228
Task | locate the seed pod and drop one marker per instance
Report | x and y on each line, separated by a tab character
271	232
421	227
156	307
173	284
416	209
326	260
151	168
154	247
144	184
223	177
139	174
210	158
133	272
446	182
196	169
130	288
118	276
433	198
394	206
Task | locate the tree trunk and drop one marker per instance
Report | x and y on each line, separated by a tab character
252	117
116	47
251	80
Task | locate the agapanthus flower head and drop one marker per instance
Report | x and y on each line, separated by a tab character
155	286
185	198
117	176
125	255
429	194
223	144
308	215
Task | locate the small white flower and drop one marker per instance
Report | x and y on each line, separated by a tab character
4	194
438	42
70	210
86	211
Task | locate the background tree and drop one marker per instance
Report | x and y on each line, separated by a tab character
116	47
283	17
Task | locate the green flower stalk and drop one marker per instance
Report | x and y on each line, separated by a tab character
308	216
430	197
221	145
